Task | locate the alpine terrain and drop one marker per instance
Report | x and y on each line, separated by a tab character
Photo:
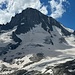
35	44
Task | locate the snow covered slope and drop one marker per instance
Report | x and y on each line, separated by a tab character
33	41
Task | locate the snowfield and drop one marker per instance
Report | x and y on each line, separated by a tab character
52	50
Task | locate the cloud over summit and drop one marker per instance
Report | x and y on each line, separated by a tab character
57	8
16	6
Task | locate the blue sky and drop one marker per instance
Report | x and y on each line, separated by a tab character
65	11
68	18
3	5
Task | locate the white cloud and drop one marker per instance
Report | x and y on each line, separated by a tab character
57	8
16	6
44	10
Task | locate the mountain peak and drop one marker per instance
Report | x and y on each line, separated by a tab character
30	9
28	18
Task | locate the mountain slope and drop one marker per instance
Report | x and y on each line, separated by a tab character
32	41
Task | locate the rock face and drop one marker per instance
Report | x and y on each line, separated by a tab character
31	41
74	32
67	68
37	57
27	20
